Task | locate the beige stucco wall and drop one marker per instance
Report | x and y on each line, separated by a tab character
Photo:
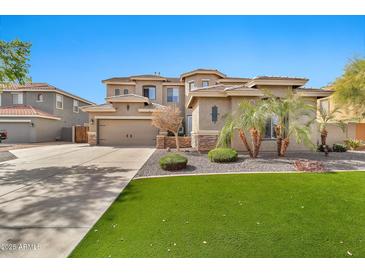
195	118
157	84
181	103
202	118
278	91
121	111
110	89
198	78
336	135
345	113
205	112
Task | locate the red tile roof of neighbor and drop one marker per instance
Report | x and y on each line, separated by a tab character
29	86
25	111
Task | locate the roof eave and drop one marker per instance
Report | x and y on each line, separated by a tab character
277	82
316	94
216	72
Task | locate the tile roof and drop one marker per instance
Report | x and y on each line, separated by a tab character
264	77
25	111
202	70
227	79
314	89
130	78
40	87
28	86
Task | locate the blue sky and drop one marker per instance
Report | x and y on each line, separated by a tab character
76	52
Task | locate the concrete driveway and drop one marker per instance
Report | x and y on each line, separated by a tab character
52	195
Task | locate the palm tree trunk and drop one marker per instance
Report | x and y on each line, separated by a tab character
279	144
279	139
258	144
244	141
284	147
177	141
324	134
255	141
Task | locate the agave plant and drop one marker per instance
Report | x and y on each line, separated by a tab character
250	117
292	107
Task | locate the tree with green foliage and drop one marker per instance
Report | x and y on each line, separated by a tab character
292	107
350	87
14	58
250	117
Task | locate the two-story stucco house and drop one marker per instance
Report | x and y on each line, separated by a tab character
39	112
355	125
204	97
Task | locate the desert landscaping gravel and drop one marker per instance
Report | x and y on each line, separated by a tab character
266	162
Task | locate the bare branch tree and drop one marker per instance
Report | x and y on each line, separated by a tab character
168	118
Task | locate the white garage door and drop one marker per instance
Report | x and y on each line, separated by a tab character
18	132
126	133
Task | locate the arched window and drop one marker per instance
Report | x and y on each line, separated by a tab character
128	107
215	114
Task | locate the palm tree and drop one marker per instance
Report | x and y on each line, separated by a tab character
295	108
250	117
324	119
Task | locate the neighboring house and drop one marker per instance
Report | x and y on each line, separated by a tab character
39	112
204	97
355	126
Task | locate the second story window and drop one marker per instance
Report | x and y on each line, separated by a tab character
117	92
205	83
149	92
17	98
76	106
59	101
125	91
191	85
173	95
39	97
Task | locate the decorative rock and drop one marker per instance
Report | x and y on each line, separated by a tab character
308	166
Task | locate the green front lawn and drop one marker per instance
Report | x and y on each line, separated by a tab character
247	215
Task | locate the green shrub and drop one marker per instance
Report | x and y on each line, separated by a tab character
352	144
320	148
173	161
339	148
222	155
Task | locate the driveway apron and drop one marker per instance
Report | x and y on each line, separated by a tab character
52	195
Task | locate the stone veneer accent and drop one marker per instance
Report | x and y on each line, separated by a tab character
163	142
91	138
205	142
